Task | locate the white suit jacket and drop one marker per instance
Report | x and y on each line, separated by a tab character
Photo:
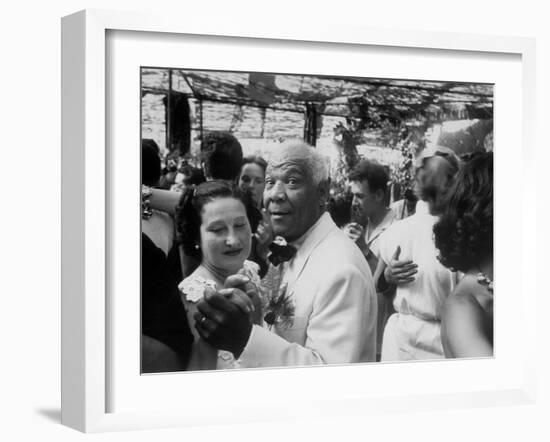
333	292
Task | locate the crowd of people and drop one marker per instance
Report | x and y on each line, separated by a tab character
253	263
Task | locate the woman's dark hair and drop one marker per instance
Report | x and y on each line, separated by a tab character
255	159
193	175
222	155
464	233
192	201
150	162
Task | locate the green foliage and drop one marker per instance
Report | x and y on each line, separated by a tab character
392	134
409	141
346	138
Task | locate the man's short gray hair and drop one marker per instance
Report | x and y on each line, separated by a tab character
315	163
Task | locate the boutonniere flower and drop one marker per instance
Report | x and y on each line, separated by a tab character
280	310
278	304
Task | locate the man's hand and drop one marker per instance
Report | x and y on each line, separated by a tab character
354	231
221	322
399	272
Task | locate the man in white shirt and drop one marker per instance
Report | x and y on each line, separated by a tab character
328	282
368	184
408	260
371	216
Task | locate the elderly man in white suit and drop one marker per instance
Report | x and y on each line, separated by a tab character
328	281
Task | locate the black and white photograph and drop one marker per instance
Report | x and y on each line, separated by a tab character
297	220
243	221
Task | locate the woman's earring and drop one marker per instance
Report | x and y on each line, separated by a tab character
197	247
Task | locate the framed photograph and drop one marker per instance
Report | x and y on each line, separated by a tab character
122	76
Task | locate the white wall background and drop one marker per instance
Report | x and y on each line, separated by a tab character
30	218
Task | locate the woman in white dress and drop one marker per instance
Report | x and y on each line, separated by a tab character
215	229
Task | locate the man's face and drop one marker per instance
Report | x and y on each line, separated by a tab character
291	198
364	202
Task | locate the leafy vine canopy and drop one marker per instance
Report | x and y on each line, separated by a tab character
397	116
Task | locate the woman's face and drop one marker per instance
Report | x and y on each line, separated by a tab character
252	180
225	234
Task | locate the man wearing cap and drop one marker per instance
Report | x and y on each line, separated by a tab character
408	261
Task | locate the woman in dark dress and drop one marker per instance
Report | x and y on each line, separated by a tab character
166	337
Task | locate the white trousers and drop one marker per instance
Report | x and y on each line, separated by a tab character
408	337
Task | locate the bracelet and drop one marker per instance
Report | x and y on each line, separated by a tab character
146	193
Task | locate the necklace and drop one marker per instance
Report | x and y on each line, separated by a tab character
483	279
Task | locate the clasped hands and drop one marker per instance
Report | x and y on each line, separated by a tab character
224	317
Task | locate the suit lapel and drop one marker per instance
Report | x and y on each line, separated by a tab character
313	238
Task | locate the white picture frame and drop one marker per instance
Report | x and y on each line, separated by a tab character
86	214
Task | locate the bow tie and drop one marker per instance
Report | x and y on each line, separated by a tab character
281	253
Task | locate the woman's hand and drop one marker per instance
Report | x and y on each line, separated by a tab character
234	290
246	287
